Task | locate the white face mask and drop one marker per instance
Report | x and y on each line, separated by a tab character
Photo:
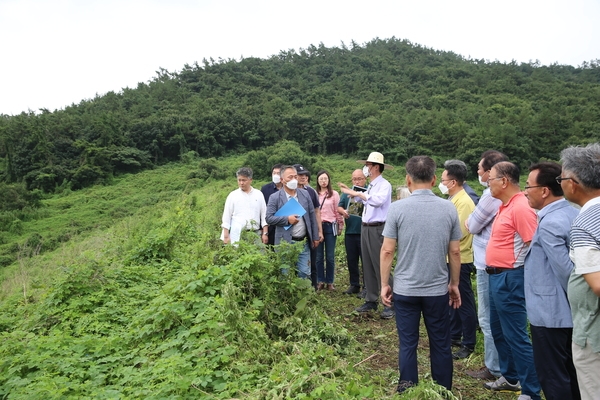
366	171
443	188
484	184
276	178
292	185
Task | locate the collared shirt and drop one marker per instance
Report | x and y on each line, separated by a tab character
423	226
585	253
512	230
548	267
480	225
243	211
379	198
299	229
464	206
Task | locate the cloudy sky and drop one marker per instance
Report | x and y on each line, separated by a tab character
59	52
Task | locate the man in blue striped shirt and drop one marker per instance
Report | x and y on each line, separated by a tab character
580	181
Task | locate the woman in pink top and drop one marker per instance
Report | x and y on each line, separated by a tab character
333	224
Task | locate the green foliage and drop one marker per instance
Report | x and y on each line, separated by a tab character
194	319
285	152
388	95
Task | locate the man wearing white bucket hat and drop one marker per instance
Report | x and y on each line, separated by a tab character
376	200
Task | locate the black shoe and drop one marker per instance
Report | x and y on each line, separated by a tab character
403	386
368	306
464	352
353	290
362	294
387	313
456	343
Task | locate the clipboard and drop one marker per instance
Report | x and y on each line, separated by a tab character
292	207
355	207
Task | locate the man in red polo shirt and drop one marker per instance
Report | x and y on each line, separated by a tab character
512	232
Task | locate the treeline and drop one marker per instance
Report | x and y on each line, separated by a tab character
387	95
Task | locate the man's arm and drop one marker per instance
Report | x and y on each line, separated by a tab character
587	263
454	261
553	240
271	219
226	219
386	257
483	215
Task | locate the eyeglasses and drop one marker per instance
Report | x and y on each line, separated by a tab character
447	180
531	187
559	180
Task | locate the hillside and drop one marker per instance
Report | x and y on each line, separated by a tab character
146	303
382	95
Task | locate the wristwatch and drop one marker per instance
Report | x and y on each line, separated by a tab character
266	233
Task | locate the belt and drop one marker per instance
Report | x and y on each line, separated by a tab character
298	239
372	223
494	270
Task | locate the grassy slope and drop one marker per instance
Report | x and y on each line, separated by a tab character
143	195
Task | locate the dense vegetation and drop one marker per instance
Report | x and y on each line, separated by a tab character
387	95
142	301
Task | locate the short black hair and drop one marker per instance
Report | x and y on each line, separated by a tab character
457	170
547	173
491	158
421	169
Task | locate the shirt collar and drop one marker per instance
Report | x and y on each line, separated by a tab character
591	202
555	205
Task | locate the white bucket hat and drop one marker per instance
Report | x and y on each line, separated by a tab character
376	158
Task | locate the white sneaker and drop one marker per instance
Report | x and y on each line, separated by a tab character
502	385
524	397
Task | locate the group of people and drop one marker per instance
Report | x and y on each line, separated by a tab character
536	257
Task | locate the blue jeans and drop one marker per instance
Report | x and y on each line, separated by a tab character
463	321
327	249
437	321
303	264
508	320
483	309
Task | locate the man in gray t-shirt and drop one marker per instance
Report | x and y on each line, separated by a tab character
427	231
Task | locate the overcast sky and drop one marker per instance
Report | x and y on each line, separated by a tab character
59	52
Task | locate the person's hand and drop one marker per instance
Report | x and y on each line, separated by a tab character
226	239
265	238
386	295
293	219
455	300
315	244
467	225
321	237
345	189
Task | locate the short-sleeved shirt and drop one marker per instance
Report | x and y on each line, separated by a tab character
464	206
354	222
512	230
585	253
424	225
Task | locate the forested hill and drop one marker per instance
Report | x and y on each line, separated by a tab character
388	95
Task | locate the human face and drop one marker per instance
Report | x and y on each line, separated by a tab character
481	172
244	183
358	178
288	175
323	181
302	179
447	181
495	183
567	182
534	192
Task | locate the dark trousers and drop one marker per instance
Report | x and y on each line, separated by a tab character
463	321
437	321
352	243
554	362
313	266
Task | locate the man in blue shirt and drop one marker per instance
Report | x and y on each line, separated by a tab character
547	271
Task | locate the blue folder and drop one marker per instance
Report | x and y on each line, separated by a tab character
292	207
